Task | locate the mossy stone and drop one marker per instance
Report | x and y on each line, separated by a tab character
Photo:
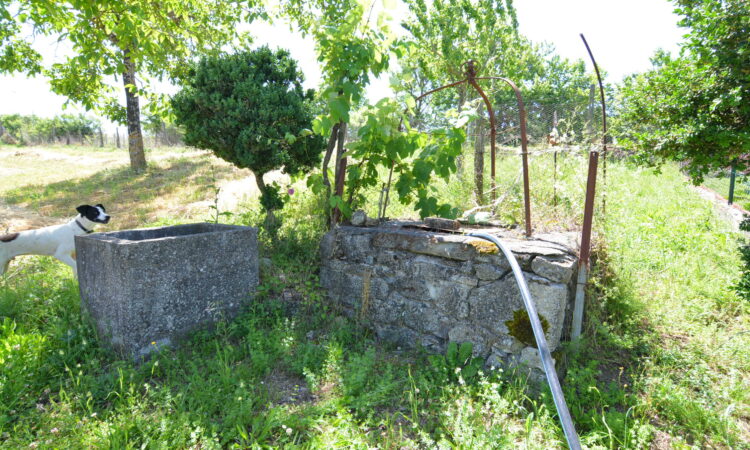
484	247
520	327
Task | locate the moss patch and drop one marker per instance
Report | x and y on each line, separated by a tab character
520	327
484	247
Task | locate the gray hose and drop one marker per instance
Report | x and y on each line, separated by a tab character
549	369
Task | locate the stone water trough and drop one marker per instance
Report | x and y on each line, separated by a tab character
416	287
151	287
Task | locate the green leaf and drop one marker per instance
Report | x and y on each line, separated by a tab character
422	170
464	352
340	109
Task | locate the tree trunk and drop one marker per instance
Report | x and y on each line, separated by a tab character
327	158
270	217
117	137
135	137
340	170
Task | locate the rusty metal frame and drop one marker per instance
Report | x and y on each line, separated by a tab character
588	212
471	79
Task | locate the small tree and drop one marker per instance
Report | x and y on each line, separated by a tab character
251	110
695	108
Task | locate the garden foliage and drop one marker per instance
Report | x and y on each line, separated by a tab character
23	130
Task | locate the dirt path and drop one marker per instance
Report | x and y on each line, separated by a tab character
733	214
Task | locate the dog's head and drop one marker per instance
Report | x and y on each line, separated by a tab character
94	213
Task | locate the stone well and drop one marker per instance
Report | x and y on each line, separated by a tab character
156	285
415	287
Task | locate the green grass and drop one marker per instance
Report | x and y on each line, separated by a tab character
666	356
674	264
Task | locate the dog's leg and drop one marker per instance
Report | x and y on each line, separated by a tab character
68	259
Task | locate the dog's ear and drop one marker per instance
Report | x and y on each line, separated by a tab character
102	207
82	209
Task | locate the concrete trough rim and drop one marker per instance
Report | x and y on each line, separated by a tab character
111	236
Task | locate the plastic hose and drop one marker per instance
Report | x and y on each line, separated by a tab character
541	342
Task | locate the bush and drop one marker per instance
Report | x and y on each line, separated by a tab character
251	110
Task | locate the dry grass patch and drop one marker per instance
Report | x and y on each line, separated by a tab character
167	189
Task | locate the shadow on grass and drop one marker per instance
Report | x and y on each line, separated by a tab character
623	378
128	195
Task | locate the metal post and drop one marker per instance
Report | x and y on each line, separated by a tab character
471	77
583	259
554	182
732	178
604	126
524	151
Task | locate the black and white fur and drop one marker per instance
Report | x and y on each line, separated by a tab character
54	241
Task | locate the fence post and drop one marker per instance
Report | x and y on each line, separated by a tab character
732	178
585	253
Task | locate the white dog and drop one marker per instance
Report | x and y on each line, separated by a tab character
54	241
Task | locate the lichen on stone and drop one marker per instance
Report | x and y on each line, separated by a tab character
520	327
484	247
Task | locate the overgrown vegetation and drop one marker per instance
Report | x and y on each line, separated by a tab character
665	357
693	107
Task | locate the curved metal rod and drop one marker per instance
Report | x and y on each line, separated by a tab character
524	150
440	89
471	73
604	125
549	369
471	79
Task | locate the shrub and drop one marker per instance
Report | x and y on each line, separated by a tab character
251	110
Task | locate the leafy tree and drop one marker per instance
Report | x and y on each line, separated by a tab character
251	110
695	107
122	38
351	48
447	34
22	129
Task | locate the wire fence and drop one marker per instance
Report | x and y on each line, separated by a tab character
559	137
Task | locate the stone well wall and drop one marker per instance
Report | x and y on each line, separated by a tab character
422	288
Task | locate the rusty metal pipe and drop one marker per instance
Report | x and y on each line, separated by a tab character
524	150
471	77
439	89
583	259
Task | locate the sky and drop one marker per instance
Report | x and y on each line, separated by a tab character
623	35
